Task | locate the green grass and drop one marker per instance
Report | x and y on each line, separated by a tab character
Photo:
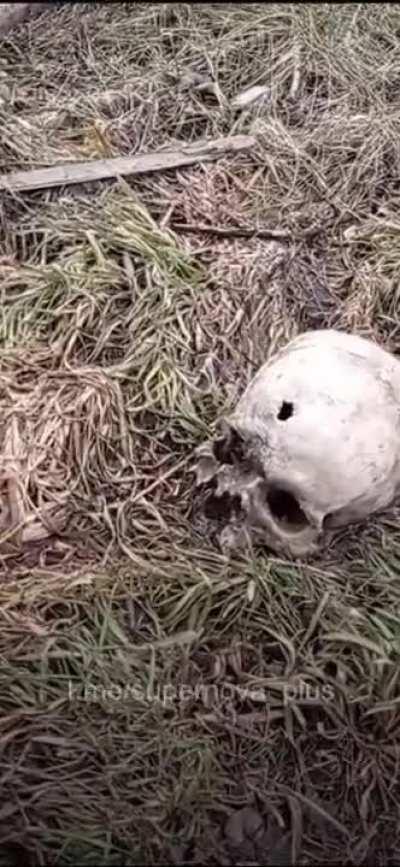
151	686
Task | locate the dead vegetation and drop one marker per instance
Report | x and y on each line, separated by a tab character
152	689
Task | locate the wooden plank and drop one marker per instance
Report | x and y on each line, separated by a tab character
98	170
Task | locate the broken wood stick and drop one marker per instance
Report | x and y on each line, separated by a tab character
233	231
98	170
246	232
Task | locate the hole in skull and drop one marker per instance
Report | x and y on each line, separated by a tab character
286	510
221	508
286	411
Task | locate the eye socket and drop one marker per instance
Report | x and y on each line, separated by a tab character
286	510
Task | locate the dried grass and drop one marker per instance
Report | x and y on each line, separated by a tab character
122	340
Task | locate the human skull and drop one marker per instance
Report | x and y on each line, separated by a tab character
313	444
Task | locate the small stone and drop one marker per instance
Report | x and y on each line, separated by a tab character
252	94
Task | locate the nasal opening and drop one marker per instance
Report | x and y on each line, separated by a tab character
221	507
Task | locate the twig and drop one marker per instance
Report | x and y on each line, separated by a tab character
296	73
238	232
232	232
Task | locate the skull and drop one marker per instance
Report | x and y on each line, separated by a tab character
313	444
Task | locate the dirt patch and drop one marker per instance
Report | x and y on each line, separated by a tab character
13	14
